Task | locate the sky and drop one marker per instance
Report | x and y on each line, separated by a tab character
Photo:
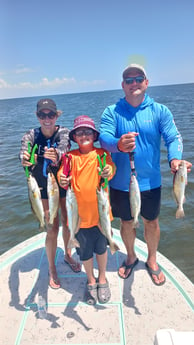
53	47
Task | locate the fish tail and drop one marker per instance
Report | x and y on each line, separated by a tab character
113	247
135	224
73	242
180	213
50	223
49	226
52	218
42	227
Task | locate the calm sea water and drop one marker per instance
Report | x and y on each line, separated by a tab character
18	115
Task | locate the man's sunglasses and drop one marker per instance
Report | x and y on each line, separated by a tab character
81	132
138	80
43	115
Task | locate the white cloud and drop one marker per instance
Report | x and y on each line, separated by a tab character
93	82
57	82
46	83
22	70
46	86
3	84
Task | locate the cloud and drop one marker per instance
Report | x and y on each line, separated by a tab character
92	83
47	84
19	70
4	84
57	82
23	70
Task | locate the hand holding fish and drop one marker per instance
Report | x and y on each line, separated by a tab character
26	159
126	142
175	164
51	153
64	181
106	171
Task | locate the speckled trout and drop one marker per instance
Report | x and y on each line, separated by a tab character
35	200
104	216
53	197
179	184
135	200
72	216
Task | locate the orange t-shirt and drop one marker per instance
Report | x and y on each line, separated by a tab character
85	180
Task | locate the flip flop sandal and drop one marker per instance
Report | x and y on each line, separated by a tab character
156	273
103	292
91	294
75	267
131	267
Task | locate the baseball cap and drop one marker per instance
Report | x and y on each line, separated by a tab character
133	67
83	121
46	103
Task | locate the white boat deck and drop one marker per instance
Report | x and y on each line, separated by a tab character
136	311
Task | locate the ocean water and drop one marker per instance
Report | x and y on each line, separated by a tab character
18	115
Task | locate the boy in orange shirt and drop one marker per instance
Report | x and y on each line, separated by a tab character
84	181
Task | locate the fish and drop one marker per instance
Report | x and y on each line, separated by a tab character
73	217
35	200
104	217
53	197
135	200
179	185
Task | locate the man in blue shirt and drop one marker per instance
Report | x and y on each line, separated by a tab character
136	123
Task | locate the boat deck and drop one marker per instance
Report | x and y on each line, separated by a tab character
137	308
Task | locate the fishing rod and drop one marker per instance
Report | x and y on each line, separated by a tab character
132	163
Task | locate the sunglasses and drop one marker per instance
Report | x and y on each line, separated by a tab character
81	132
43	115
138	80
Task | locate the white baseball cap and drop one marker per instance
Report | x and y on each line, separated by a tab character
133	67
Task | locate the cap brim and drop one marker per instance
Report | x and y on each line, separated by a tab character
138	68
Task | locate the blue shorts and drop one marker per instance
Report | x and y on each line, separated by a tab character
91	241
150	204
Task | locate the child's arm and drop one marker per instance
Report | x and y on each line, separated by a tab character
64	181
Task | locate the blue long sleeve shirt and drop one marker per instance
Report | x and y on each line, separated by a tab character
152	121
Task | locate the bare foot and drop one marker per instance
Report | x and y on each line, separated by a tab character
54	281
75	266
